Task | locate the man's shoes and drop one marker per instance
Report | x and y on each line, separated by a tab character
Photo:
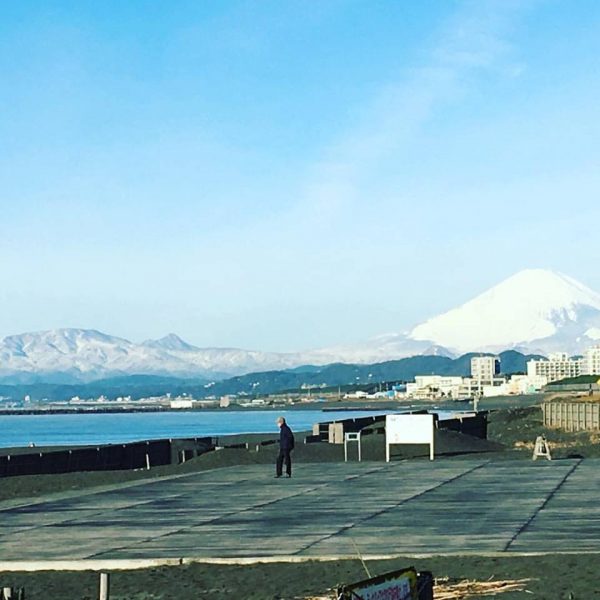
289	475
277	476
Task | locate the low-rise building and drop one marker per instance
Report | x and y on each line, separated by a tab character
516	385
437	386
181	403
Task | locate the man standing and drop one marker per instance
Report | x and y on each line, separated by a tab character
286	445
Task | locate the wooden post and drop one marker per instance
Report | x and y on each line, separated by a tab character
104	586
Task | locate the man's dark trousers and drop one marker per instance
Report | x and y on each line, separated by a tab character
284	456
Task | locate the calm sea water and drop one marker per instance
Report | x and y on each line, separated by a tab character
82	429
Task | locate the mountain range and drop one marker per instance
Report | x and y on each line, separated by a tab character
334	376
534	311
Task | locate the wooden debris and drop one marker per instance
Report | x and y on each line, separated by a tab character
447	589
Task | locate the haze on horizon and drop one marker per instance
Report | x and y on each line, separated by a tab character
290	175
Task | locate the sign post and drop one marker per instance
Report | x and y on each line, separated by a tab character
351	436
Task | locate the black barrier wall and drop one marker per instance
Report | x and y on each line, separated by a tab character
474	424
117	457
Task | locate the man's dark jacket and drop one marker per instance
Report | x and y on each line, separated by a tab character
286	438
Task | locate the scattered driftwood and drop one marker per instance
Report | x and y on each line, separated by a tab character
449	589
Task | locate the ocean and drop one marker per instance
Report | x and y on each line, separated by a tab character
115	428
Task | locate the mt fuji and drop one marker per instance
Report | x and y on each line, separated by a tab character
535	311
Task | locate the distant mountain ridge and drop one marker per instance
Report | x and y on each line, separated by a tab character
535	311
267	382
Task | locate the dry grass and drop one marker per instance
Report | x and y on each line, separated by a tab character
573	397
553	445
448	589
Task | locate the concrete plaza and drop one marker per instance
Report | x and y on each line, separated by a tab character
447	506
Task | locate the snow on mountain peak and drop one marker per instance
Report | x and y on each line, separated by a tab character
531	305
170	342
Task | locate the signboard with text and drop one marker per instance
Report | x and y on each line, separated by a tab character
397	585
409	429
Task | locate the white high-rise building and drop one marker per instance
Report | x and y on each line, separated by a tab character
559	365
484	369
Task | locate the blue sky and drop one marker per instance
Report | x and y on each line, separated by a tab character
287	175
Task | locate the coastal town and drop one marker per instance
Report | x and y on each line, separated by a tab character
485	380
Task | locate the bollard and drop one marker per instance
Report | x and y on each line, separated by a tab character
104	586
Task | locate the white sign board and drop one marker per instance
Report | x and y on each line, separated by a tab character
409	429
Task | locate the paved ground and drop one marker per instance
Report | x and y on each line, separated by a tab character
450	505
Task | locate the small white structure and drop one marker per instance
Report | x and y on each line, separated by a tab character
409	429
181	403
356	394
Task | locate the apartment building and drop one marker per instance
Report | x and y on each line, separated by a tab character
558	365
484	369
591	361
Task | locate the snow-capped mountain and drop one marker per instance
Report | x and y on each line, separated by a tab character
170	342
80	354
535	311
66	355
